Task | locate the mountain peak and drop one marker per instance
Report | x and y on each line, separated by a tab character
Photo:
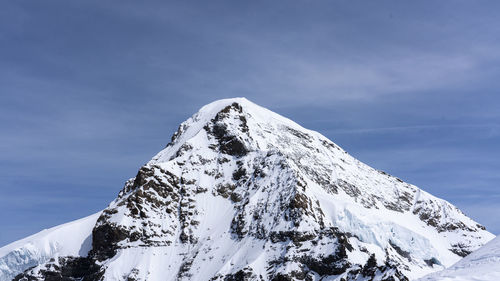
231	117
209	111
242	193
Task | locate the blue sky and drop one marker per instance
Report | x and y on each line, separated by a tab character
91	90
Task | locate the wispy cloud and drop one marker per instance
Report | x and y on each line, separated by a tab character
411	88
493	128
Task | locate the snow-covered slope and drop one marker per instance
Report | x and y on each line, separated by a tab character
70	239
482	265
242	193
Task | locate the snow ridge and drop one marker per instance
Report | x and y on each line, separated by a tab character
69	239
483	264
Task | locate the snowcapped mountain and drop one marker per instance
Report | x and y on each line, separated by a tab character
483	264
242	193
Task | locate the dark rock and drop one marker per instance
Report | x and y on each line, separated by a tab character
281	277
241	275
105	240
370	267
229	143
330	265
239	174
461	250
400	251
432	261
70	269
238	225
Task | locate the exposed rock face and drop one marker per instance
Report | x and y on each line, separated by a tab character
242	193
65	269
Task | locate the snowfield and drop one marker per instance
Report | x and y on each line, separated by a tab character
481	265
69	239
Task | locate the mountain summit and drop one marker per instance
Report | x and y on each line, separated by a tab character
242	193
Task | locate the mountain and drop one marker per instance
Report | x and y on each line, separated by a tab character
483	264
242	193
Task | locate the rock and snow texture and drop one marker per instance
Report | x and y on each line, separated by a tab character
242	193
70	239
482	265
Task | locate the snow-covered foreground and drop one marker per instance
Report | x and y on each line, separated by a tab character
481	265
69	239
242	193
